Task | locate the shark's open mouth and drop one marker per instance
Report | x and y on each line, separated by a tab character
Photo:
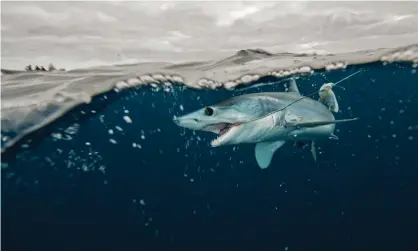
222	129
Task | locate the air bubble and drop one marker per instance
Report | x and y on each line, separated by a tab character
127	119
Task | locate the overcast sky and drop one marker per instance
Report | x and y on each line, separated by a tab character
81	34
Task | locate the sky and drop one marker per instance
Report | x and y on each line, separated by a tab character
82	34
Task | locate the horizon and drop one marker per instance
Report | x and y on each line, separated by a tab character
274	54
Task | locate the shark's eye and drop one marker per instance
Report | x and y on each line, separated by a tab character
208	111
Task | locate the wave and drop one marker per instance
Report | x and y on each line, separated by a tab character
31	100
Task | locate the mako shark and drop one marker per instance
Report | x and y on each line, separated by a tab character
268	119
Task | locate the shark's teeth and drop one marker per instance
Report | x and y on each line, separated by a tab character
214	142
218	140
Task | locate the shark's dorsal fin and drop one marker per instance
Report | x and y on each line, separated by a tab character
264	152
292	87
319	123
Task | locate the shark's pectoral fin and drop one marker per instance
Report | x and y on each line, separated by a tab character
313	150
319	123
264	152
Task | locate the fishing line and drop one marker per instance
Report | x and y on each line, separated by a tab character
349	76
303	97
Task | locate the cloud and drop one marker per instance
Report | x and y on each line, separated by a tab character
33	11
80	31
105	18
29	10
168	5
234	15
177	36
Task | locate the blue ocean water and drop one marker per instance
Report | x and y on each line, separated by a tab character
92	181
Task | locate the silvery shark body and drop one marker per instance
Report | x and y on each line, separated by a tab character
253	118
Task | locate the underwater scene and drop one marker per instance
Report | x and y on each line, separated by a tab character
254	151
119	172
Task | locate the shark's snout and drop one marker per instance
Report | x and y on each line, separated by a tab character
187	122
